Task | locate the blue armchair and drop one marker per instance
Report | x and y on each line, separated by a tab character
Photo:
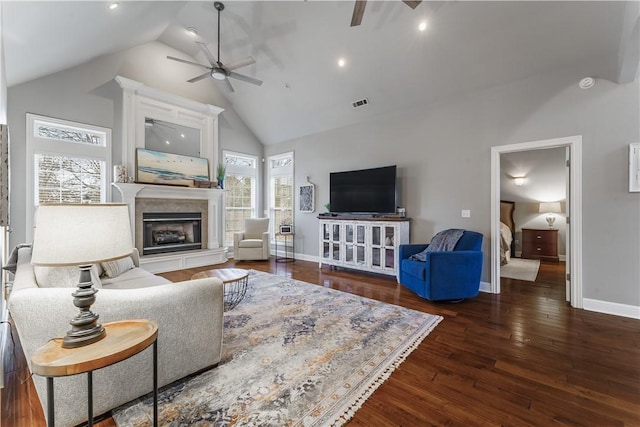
447	275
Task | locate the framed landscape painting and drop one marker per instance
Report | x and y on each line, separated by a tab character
155	167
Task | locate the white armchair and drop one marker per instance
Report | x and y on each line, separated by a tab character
253	242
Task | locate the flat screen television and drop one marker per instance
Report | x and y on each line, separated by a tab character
366	191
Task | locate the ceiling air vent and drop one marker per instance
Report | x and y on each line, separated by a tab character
360	103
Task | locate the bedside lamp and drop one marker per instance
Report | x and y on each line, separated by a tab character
82	235
550	208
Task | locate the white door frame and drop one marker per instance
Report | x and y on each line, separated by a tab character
575	207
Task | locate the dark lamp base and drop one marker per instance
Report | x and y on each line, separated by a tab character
75	339
85	328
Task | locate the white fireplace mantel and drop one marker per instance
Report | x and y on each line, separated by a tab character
129	192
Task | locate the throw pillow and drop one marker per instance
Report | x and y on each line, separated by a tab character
117	267
63	277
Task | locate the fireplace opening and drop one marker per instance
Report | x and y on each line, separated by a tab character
165	232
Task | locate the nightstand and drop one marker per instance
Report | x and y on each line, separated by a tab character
540	244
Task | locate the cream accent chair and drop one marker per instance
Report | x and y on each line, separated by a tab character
253	242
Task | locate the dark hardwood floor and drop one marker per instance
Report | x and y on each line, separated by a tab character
523	357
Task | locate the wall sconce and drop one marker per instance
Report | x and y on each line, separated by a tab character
550	208
518	181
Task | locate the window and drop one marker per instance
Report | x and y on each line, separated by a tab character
68	163
240	185
280	190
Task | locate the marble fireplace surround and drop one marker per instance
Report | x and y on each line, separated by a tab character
161	198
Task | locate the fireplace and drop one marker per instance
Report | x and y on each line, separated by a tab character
165	232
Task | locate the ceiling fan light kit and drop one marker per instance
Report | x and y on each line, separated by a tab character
216	69
358	10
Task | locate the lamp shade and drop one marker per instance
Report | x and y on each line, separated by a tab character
550	207
78	234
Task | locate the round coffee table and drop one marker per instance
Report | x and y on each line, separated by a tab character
235	283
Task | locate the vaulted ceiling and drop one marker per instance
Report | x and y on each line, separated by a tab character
467	46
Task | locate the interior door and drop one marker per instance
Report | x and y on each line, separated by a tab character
567	181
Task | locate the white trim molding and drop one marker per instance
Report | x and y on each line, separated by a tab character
140	101
575	208
617	309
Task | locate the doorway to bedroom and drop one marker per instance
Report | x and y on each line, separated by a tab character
535	186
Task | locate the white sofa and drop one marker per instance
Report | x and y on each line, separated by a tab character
189	316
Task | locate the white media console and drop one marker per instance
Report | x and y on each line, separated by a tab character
369	244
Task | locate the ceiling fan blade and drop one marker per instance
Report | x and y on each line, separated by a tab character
412	3
227	85
200	77
208	54
244	78
239	64
358	12
173	58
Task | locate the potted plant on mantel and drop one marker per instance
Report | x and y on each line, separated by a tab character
222	169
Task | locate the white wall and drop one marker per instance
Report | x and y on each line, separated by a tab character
3	77
79	94
443	155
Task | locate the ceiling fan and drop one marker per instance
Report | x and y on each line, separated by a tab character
358	10
217	69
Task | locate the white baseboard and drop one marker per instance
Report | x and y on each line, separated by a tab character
614	308
485	287
305	257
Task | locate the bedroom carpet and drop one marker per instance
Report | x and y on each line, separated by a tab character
521	269
294	354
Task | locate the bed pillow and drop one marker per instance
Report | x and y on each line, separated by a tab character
117	267
63	277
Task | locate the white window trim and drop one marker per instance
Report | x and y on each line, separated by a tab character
36	145
244	171
275	172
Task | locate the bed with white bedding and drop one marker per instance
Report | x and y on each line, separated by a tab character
507	231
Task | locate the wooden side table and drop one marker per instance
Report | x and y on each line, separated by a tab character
123	339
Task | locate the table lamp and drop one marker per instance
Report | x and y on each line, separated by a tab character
550	208
82	235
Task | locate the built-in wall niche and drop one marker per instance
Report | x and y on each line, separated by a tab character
151	117
168	137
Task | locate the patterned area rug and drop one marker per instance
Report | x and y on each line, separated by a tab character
294	354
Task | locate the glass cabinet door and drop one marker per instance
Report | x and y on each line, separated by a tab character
360	234
389	258
336	233
360	254
348	255
325	231
348	233
375	257
388	236
375	235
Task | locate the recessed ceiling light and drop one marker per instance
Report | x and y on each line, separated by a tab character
422	26
114	5
341	62
167	142
192	31
587	83
182	135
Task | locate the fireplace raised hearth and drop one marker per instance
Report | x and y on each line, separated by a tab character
165	232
